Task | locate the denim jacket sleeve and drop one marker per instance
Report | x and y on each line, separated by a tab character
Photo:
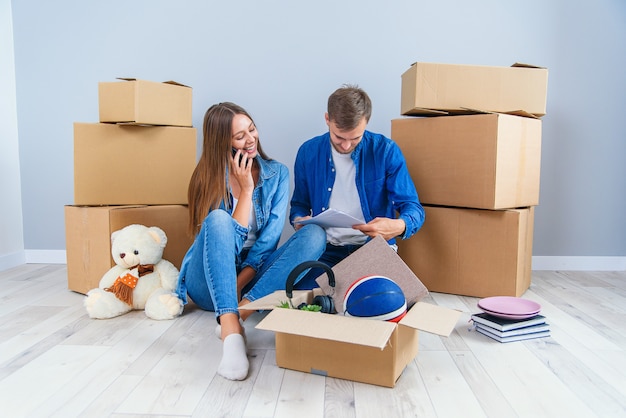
382	179
403	194
384	184
300	202
270	199
313	176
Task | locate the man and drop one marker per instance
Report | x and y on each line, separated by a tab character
357	172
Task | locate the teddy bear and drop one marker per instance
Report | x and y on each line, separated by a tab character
140	278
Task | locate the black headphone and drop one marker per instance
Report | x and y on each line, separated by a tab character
326	302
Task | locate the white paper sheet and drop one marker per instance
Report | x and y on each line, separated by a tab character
333	218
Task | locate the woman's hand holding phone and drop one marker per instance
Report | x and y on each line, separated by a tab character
234	151
242	169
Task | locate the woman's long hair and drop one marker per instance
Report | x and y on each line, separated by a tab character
208	186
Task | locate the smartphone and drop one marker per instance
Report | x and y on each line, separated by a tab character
234	150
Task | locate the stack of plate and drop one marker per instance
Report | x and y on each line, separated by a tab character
509	307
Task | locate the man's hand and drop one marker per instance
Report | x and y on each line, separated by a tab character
297	225
385	227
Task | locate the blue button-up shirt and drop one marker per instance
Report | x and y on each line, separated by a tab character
382	180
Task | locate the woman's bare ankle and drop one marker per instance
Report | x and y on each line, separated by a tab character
230	325
244	313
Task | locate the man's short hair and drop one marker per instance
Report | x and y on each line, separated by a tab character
348	105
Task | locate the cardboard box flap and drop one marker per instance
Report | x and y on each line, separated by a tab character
517	64
518	112
367	332
110	207
174	83
522	113
426	111
522	65
431	318
374	258
422	111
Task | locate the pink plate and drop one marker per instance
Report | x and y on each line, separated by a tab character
490	311
509	316
509	305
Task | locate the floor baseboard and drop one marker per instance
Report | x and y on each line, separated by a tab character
46	257
582	263
11	260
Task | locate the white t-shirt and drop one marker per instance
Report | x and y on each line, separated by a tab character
345	197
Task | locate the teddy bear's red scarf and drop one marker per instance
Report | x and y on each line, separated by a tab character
124	285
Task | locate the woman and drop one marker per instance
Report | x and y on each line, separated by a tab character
237	206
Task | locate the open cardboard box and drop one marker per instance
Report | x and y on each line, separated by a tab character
143	102
432	89
358	349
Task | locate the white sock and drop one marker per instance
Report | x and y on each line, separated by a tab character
234	364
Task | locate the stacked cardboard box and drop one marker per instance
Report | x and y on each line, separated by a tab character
132	167
472	141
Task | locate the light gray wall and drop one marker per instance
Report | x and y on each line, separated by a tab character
281	59
11	235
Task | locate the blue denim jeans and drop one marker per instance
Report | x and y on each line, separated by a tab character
211	274
331	256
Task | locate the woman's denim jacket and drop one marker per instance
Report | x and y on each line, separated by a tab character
269	199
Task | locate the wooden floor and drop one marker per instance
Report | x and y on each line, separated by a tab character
55	361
